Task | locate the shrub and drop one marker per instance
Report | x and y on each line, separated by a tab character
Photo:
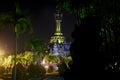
2	70
50	68
62	67
36	71
20	72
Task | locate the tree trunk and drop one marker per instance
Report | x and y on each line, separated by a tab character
15	58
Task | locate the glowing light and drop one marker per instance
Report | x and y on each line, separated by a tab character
2	52
115	63
46	67
43	62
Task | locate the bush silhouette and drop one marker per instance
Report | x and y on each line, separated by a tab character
36	71
20	72
62	67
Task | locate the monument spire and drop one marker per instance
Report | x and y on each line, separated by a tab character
58	35
57	44
58	18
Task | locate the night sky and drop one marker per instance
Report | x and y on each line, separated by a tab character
43	22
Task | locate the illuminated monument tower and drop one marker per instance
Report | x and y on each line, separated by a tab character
58	35
58	45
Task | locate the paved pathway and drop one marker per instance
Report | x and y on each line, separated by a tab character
53	78
49	76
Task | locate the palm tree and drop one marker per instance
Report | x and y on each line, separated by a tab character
37	46
20	22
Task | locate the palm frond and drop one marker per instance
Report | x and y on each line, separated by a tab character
22	24
6	17
18	10
25	20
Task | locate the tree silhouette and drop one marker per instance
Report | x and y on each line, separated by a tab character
21	24
96	36
37	46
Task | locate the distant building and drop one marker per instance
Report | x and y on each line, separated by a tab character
57	44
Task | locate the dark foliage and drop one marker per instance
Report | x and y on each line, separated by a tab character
36	71
88	61
2	70
20	72
62	67
50	69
